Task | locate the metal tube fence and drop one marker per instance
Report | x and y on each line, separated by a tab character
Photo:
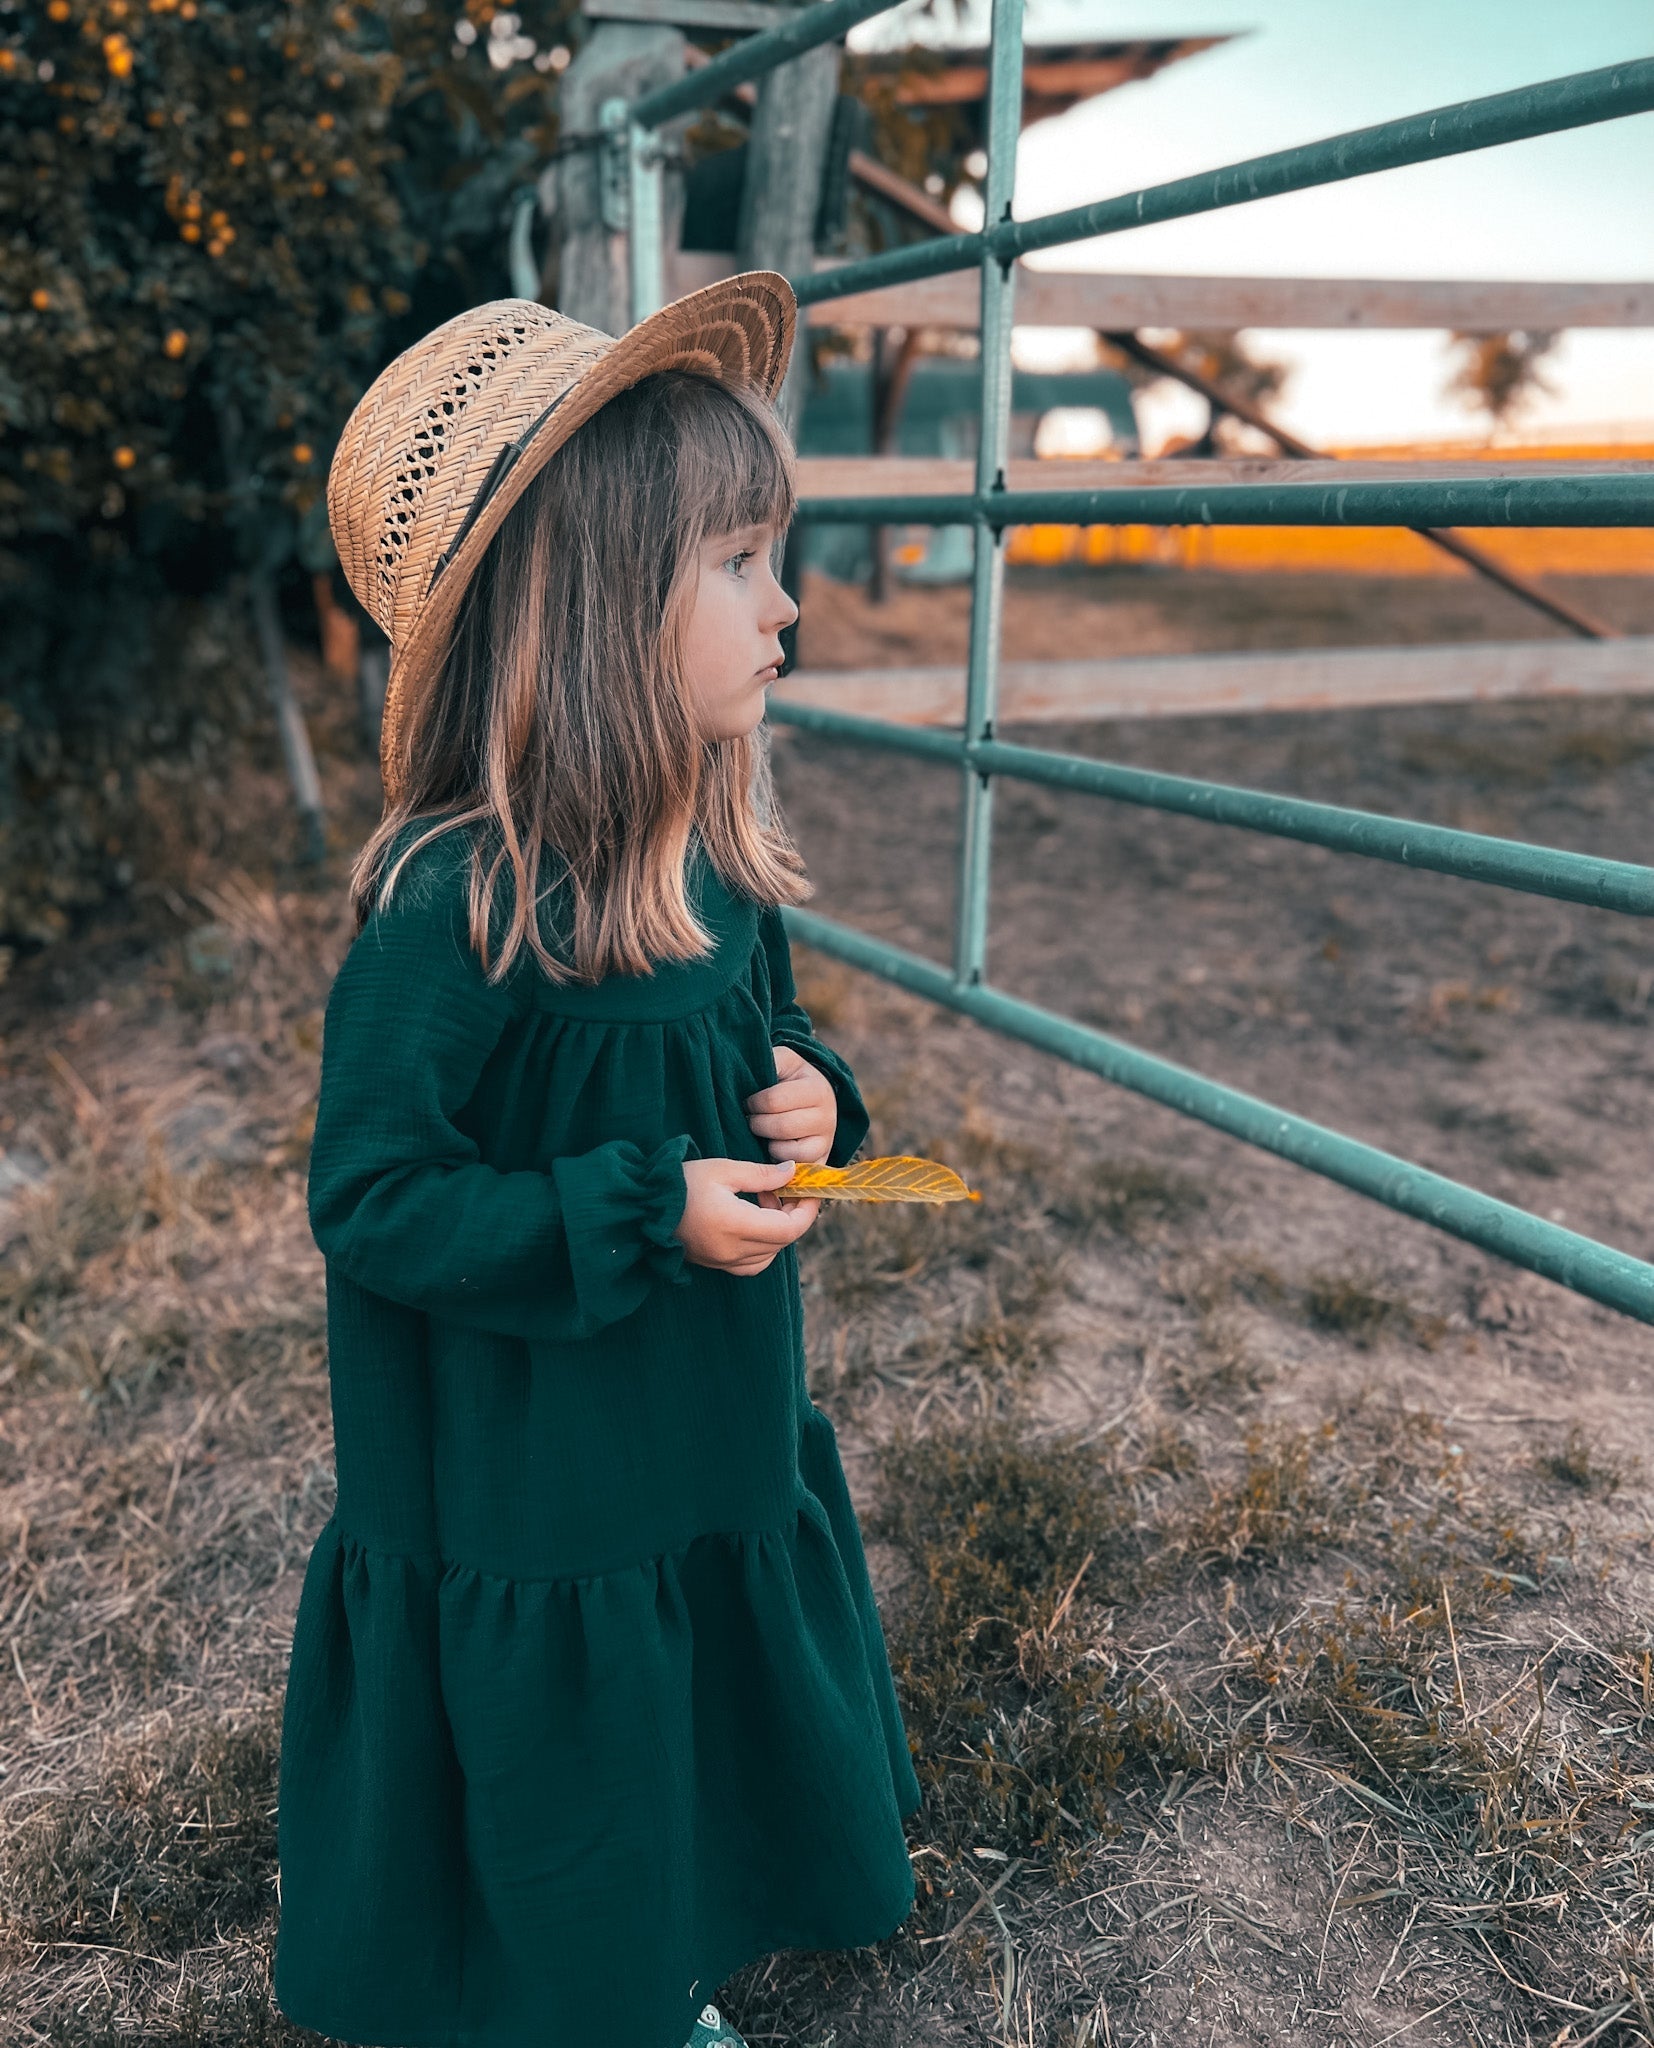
1605	498
1558	103
1472	856
824	21
1606	1275
1617	498
998	287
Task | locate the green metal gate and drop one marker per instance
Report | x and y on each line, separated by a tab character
1609	499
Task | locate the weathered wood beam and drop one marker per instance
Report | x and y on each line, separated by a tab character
860	476
723	17
1207	685
1067	298
900	191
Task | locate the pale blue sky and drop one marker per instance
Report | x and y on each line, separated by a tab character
1575	205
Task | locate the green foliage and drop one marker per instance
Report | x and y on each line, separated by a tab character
218	220
213	205
195	205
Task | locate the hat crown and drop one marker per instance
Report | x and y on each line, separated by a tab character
420	441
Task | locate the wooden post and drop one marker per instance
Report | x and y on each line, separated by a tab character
620	60
295	741
786	155
250	524
891	376
780	199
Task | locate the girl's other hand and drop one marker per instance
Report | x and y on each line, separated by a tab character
798	1117
718	1229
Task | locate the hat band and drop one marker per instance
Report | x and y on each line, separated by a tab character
498	470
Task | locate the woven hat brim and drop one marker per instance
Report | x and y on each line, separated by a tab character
739	330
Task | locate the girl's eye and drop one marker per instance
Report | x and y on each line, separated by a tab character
738	562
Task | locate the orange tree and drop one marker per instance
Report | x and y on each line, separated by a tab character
218	218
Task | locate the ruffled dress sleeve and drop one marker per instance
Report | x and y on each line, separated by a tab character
790	1025
399	1196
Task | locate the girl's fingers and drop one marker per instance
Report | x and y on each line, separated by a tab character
774	1103
758	1261
812	1151
745	1262
793	1123
784	1226
736	1235
773	1227
796	1093
747	1176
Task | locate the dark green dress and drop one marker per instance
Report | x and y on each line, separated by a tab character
589	1703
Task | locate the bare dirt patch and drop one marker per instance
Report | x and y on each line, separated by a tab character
1267	1576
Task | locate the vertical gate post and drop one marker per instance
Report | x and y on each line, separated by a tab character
970	948
647	226
781	194
630	174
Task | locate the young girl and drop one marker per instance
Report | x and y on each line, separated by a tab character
589	1703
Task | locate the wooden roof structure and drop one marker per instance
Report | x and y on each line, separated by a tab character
1055	77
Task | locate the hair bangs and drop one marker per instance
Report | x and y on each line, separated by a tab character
735	464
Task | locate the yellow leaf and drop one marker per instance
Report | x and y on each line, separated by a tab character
877	1180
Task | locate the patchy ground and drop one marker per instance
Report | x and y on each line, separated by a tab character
1268	1577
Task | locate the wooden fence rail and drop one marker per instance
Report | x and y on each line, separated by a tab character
1203	685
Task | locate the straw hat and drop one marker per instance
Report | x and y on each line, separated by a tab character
448	437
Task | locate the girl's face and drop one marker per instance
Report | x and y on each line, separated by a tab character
731	644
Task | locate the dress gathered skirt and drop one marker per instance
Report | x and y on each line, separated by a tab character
589	1702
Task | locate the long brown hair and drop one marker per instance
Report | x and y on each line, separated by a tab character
562	721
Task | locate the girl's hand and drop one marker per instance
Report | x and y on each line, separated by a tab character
799	1115
718	1229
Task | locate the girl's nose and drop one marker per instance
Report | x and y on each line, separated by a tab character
785	610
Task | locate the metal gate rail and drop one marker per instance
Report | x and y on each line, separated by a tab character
1583	498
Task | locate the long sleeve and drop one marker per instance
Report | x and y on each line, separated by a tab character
399	1196
790	1025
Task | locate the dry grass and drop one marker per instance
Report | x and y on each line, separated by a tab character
1341	1646
1357	1305
1288	1731
171	1845
1258	1708
165	1469
1535	756
1336	1653
1578	1462
165	1461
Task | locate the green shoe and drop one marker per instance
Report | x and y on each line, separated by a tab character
712	2030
